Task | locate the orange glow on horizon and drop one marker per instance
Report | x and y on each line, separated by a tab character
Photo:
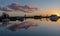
54	12
57	14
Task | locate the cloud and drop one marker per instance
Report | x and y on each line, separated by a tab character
16	6
6	9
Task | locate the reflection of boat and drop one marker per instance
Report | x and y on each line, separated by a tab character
53	17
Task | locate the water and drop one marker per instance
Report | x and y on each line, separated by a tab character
39	28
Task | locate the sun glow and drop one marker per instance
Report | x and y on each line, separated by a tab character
56	12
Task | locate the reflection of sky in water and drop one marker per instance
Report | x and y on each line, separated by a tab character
45	28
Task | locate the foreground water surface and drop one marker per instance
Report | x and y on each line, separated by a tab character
31	27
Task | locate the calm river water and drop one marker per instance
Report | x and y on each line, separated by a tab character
40	28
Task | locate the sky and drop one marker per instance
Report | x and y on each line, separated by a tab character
50	6
41	4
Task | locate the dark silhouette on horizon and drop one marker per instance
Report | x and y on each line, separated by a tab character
6	18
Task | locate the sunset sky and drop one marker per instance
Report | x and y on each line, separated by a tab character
44	5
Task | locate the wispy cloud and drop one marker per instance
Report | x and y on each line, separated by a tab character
16	6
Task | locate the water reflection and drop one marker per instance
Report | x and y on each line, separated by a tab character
26	24
38	27
17	26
